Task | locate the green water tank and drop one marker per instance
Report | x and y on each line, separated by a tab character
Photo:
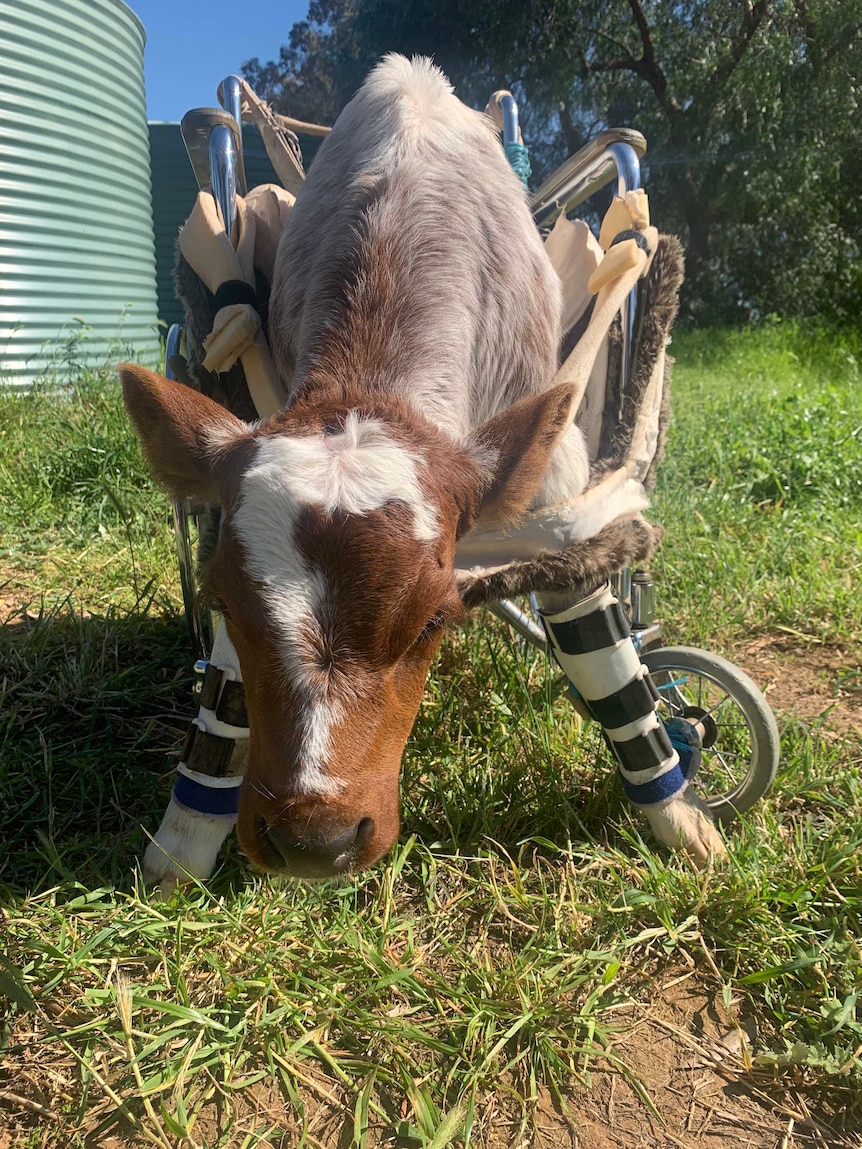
77	259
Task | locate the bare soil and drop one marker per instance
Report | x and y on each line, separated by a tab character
820	684
689	1083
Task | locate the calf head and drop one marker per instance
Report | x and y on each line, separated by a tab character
334	573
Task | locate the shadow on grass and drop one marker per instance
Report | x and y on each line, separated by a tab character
90	708
92	714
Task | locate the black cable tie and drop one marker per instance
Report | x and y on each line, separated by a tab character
235	291
630	233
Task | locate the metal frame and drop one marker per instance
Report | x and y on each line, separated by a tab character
612	155
213	140
511	126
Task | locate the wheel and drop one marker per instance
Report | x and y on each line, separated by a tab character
740	736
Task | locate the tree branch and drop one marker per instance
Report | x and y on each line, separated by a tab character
754	17
647	67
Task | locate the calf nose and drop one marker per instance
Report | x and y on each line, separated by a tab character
321	855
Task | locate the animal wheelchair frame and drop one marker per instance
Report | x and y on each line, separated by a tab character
713	705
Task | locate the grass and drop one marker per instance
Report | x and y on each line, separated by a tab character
467	990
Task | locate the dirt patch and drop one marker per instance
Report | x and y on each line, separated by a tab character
678	1075
16	598
690	1085
819	684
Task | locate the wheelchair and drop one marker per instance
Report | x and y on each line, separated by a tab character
721	710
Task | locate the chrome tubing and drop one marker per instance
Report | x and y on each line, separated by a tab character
520	622
621	585
628	179
230	97
628	167
223	174
642	599
583	174
511	126
173	346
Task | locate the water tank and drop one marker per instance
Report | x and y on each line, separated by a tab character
77	260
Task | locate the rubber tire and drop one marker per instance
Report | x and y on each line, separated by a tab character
763	729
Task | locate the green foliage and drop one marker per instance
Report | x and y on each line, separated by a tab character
747	109
813	455
79	460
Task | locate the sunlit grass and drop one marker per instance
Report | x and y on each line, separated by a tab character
485	965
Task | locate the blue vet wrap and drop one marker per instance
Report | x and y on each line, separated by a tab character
222	801
667	785
519	158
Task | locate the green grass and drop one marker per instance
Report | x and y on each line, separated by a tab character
762	485
469	987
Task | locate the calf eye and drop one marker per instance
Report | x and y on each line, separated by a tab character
432	626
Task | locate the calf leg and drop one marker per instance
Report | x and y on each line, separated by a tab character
591	640
205	799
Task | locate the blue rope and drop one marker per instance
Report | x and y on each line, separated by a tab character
686	743
519	158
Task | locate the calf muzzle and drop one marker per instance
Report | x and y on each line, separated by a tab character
330	851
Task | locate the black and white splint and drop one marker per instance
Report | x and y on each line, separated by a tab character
592	642
205	798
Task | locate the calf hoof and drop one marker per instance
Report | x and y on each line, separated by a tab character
183	848
685	823
160	888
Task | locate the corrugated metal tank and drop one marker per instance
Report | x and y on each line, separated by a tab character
76	232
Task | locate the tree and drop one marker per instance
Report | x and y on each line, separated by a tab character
747	106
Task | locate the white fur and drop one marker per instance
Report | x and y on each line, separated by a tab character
568	471
685	823
472	320
356	471
185	843
265	520
360	469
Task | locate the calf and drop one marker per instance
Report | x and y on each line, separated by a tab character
415	322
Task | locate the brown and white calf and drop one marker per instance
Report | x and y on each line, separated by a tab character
415	321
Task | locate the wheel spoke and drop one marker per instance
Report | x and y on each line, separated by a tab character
718	754
719	704
729	753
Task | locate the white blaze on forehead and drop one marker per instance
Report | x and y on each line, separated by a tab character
357	470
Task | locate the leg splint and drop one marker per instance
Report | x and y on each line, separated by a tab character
205	798
210	771
592	643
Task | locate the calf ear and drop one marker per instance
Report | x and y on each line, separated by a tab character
515	447
184	434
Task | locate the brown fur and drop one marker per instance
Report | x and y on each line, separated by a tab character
579	569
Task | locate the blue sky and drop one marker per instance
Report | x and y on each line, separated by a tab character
192	44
